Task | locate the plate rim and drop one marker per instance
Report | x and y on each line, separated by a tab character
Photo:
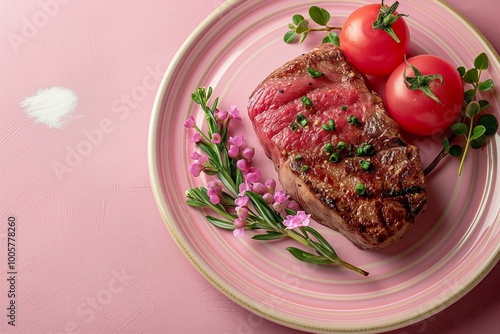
155	180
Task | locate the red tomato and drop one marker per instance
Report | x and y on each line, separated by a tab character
416	112
373	51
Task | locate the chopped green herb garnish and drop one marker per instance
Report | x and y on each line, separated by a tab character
341	145
365	150
304	168
368	150
360	188
314	74
352	120
365	164
306	102
334	157
344	108
298	157
294	126
330	126
302	120
328	147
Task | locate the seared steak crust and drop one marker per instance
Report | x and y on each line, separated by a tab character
297	133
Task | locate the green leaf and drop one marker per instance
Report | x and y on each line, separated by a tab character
460	129
484	104
270	216
297	18
481	62
195	204
486	85
332	37
472	109
196	97
198	196
320	238
289	36
303	37
270	235
446	144
471	76
461	70
319	15
469	95
455	151
302	26
223	224
239	176
478	142
478	131
304	256
490	123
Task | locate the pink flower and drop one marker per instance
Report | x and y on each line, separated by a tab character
196	168
233	151
199	166
280	196
241	212
259	188
215	184
214	199
242	165
216	138
293	205
239	228
202	159
237	140
270	185
190	122
298	220
239	232
196	137
195	155
241	200
244	186
235	113
220	115
254	176
277	207
247	153
214	191
268	198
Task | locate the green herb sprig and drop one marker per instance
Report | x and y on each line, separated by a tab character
300	26
235	197
475	126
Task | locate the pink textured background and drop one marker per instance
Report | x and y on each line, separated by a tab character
93	253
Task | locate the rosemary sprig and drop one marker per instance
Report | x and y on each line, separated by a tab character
238	197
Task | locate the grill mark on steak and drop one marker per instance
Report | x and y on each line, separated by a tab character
395	186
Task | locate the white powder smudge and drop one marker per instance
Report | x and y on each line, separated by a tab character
51	106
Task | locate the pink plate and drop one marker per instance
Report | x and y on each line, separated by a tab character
453	245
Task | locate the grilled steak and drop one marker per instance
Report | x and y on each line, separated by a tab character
336	150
